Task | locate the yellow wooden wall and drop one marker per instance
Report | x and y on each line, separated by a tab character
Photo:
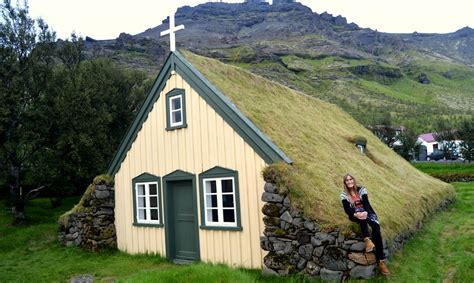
208	141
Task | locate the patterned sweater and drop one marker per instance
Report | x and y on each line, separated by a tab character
349	205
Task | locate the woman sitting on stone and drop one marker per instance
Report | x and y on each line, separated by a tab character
357	206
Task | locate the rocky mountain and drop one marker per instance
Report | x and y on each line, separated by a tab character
361	70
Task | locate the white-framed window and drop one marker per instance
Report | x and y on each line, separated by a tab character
147	203
176	110
219	202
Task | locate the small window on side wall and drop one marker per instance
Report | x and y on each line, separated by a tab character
147	200
220	207
175	109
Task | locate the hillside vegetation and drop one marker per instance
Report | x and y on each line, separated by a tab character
318	136
371	89
414	79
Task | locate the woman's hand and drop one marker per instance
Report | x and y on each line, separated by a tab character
361	215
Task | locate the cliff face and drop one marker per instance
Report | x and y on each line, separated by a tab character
366	72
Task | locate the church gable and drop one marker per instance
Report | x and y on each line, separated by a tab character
177	64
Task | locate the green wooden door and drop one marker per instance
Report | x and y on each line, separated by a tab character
183	221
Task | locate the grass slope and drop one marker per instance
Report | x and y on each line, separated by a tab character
316	136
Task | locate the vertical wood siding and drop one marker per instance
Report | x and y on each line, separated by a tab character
208	141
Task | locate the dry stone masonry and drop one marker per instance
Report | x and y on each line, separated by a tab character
296	244
90	224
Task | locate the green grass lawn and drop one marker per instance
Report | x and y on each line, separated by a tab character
443	249
445	167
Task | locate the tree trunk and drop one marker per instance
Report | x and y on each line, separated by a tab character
18	201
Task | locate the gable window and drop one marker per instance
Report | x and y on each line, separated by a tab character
220	199
147	200
175	109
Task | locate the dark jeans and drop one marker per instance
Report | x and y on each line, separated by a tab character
376	236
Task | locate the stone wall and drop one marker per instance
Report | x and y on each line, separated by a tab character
90	224
297	245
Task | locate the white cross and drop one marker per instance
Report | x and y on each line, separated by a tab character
171	32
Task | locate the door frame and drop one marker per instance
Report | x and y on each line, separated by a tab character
178	175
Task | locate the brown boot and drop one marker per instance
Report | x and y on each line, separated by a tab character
383	268
369	246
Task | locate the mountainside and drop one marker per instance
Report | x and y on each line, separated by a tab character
417	78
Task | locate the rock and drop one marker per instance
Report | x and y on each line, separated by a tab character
269	197
286	202
276	261
334	258
330	275
286	217
278	246
350	264
78	240
102	194
303	237
363	272
358	247
306	251
265	244
271	221
101	188
271	209
270	188
312	268
105	211
362	258
322	238
298	222
301	264
309	225
85	278
318	251
274	232
340	238
269	272
423	79
72	236
294	212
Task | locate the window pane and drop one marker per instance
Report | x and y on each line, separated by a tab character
176	117
142	214
152	189
153	201
227	186
229	215
141	202
154	214
212	215
175	103
141	190
211	201
228	200
210	187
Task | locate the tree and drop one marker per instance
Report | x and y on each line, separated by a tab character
26	52
466	134
446	137
385	131
409	146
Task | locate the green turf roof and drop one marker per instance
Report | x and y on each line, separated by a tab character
317	137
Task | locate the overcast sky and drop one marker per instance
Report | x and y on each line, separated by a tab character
106	19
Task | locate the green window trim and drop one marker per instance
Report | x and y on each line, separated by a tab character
146	178
178	175
173	94
217	173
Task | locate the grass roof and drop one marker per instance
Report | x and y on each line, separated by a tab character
318	137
